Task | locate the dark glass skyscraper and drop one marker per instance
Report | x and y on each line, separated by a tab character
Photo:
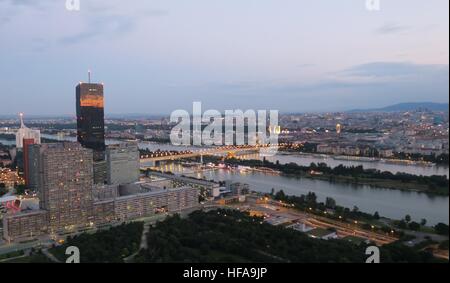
90	118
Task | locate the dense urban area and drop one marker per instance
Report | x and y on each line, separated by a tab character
121	192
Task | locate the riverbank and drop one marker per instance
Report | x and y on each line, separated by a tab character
432	185
398	157
381	184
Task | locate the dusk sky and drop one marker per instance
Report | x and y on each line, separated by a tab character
155	56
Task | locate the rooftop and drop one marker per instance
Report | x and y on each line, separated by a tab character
320	232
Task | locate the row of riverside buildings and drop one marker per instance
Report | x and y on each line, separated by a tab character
86	184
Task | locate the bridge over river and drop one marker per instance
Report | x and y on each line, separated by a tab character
151	159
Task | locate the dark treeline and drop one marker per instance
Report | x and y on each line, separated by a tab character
361	131
435	184
309	203
157	139
233	236
3	189
111	245
441	159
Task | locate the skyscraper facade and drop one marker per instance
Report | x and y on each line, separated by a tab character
90	118
26	159
123	163
26	133
33	152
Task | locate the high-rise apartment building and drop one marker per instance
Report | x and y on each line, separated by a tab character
123	163
65	185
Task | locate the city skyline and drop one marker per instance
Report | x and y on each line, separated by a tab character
230	132
159	56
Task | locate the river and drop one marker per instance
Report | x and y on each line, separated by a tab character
389	203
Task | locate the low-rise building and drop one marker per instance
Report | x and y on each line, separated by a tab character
324	234
26	224
110	204
141	199
238	188
300	226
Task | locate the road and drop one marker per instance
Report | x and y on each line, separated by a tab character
50	256
343	229
6	248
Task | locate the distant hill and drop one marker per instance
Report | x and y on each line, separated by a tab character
400	107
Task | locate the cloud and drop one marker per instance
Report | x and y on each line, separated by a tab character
401	76
391	28
389	82
107	25
9	9
21	2
375	84
305	65
155	13
103	21
4	20
396	70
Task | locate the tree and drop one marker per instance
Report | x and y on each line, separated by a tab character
423	222
3	191
355	209
441	229
280	195
414	226
408	218
402	224
330	203
444	245
376	215
20	189
311	199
